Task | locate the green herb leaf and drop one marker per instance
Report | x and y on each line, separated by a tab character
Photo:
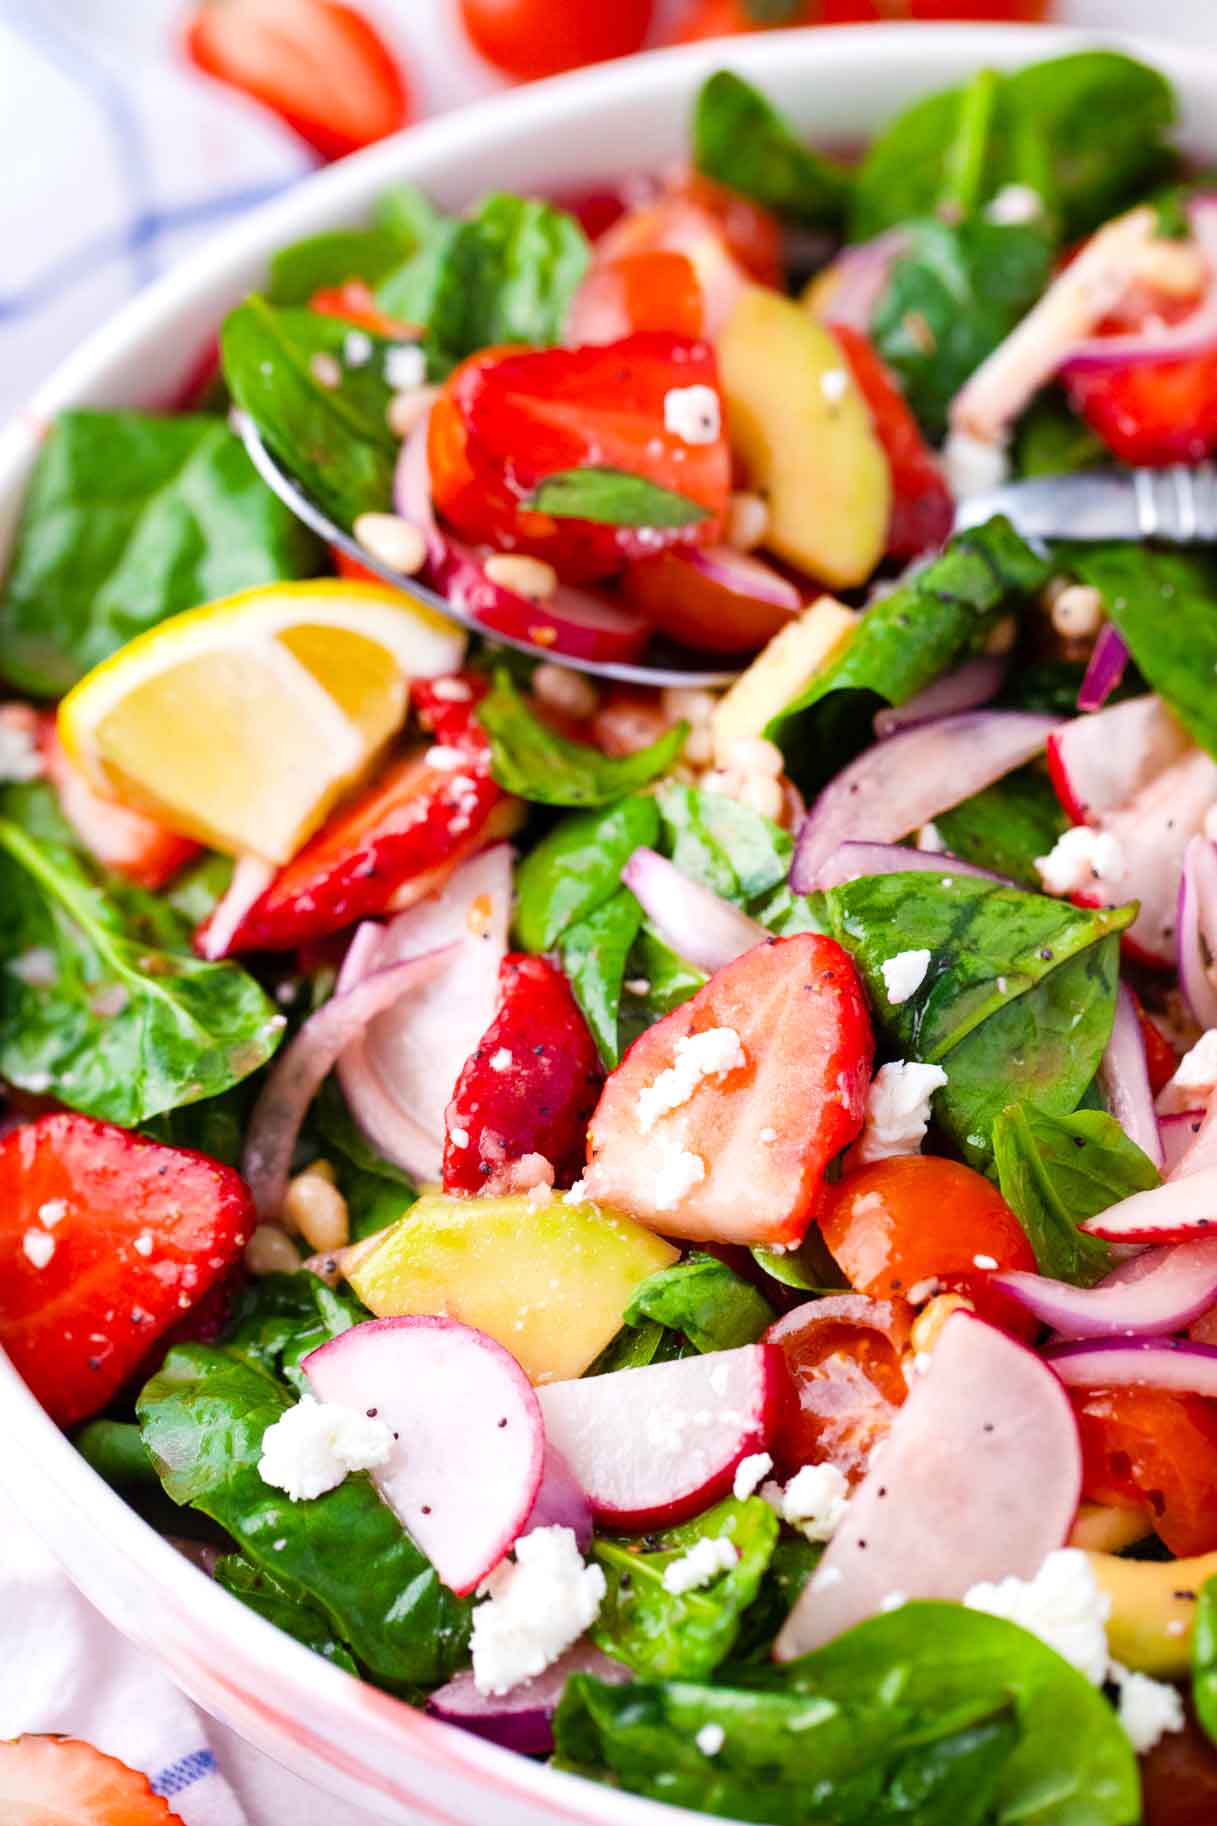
128	519
115	1450
660	1634
715	1308
595	953
612	497
1006	826
531	759
722	844
1204	1659
577	866
295	1616
330	260
203	1416
1055	1172
742	141
279	1318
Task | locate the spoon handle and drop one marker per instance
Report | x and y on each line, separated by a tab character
1177	506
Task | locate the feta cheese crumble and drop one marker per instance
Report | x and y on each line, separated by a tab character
535	1607
37	1247
405	367
1148	1708
313	1446
679	1171
710	1739
929	839
749	1473
904	974
692	414
898	1109
1195	1078
814	1501
1014	204
973	465
500	1061
709	1054
1079	857
1062	1605
704	1562
19	757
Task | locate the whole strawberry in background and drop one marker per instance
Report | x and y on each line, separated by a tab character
527	38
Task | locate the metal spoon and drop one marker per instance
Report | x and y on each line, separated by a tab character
1177	506
673	665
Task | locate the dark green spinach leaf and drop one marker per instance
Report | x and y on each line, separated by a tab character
116	1452
295	1616
577	866
1052	440
1055	1172
376	1191
403	222
1006	826
279	1318
531	759
742	141
715	1308
595	955
1204	1659
612	497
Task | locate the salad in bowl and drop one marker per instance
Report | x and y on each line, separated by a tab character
669	1228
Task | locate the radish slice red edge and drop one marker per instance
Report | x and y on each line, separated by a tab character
1177	1364
1160	1291
1100	762
522	1719
1196	929
1195	334
968	688
693	921
744	575
978	1479
1104	669
1180	1210
1124	1077
851	861
898	785
297	1074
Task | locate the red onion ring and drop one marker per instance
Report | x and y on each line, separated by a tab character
1178	1364
1181	1210
522	1719
1196	929
1105	668
967	688
744	575
1160	1291
851	861
860	275
1124	1077
696	923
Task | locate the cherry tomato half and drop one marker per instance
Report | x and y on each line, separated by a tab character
1156	1451
845	1357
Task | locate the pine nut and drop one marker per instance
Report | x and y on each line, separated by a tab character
530	577
271	1251
396	542
752	754
314	1207
562	689
684	704
762	796
406	410
747	520
1078	611
927	1326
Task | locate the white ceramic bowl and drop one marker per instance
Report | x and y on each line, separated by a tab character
837	85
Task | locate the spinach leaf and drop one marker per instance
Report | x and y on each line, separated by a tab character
116	1452
722	844
294	1616
577	866
1050	685
130	1022
669	1636
331	259
658	980
595	953
1051	440
633	1349
1055	1172
1006	826
531	759
1204	1659
128	519
714	1307
742	141
938	618
612	497
793	1561
215	1125
950	300
203	1416
1162	603
335	440
279	1318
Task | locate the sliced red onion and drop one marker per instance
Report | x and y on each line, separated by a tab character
696	923
1124	1077
297	1074
1195	334
1160	1291
967	688
1196	929
1178	1131
561	1502
860	275
1105	668
522	1719
250	879
898	785
1179	1211
851	861
744	575
1178	1364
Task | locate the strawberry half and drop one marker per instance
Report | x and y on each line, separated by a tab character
737	1155
60	1781
528	1089
106	1239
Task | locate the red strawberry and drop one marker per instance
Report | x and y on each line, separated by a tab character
922	509
528	1089
60	1781
738	1155
106	1239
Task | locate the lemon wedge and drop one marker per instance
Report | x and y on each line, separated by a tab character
240	723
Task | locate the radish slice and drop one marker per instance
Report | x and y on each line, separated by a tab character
1160	1291
468	1441
1105	668
859	277
522	1720
1178	1131
744	575
399	1076
1124	1077
978	1478
297	1074
560	1501
1178	1364
903	783
1177	1212
851	861
1195	334
696	923
1101	762
967	688
1196	929
250	880
653	1446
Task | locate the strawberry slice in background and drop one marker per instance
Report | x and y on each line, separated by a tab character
60	1781
528	1089
737	1153
106	1239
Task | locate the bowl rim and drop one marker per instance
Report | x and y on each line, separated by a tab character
345	189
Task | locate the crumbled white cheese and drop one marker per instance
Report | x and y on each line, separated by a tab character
1014	204
929	839
710	1739
19	756
37	1247
693	414
357	348
1195	1077
1062	1605
1148	1708
313	1446
834	385
36	967
704	1562
748	1474
500	1061
920	1291
768	1135
904	974
451	690
535	1607
710	1054
405	367
459	1137
679	1171
986	1263
144	1243
814	1501
577	1193
895	1600
52	1212
444	758
1079	857
898	1109
973	465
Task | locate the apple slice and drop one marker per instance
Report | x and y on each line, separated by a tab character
1103	760
978	1478
653	1446
469	1443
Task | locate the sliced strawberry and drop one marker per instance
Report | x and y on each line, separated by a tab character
60	1781
738	1155
106	1239
1161	1062
127	841
415	823
1152	412
528	1089
922	509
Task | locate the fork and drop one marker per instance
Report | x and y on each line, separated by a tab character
1176	505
